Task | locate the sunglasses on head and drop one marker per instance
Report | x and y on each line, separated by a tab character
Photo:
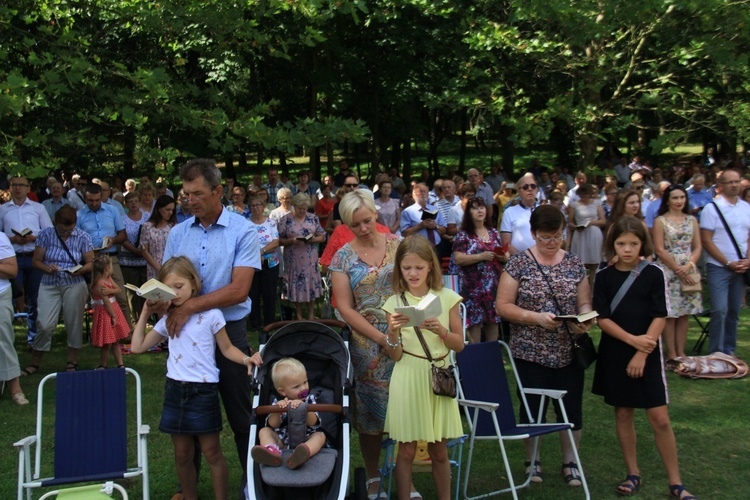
528	186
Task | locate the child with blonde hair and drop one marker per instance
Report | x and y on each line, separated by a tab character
191	397
290	379
109	324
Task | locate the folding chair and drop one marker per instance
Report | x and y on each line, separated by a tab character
90	432
91	492
698	347
486	397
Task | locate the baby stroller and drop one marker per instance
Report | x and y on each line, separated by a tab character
325	354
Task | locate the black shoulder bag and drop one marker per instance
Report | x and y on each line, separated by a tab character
584	351
443	378
86	276
746	276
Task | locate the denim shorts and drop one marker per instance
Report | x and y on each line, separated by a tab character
190	408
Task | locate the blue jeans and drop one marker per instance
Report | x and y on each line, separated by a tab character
727	289
30	278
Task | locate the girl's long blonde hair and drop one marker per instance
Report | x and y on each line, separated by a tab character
419	246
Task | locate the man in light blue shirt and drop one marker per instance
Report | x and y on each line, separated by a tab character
224	248
413	220
56	200
698	196
107	230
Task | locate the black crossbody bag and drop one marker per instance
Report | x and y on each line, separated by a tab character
86	276
746	276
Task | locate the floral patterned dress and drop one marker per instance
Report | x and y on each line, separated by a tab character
302	282
371	286
678	241
549	348
479	281
155	240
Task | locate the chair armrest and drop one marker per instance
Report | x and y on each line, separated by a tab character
554	394
482	405
25	442
145	429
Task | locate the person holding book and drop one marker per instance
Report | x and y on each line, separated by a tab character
414	412
423	218
58	251
299	234
479	254
538	284
16	216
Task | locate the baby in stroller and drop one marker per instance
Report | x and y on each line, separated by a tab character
290	379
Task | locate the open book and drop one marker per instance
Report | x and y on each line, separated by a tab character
428	307
105	242
305	238
70	270
153	289
23	232
429	214
583	226
578	318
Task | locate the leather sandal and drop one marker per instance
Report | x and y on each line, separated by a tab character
536	474
574	477
71	367
676	490
29	371
629	486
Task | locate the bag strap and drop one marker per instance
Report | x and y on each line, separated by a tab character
626	285
65	246
419	334
729	231
552	292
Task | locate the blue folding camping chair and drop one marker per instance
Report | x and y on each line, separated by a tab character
90	433
485	395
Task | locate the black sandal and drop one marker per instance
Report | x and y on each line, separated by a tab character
675	490
536	474
629	486
574	477
27	371
71	367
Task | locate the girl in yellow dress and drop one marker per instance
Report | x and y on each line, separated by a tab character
414	412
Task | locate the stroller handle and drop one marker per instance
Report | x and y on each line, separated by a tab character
266	409
328	322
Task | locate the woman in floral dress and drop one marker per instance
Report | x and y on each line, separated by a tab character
155	232
361	276
477	252
299	234
678	247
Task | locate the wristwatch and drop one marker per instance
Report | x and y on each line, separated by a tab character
729	262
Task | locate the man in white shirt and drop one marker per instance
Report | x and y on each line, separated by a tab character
515	227
413	221
572	195
445	206
18	214
725	269
483	190
75	193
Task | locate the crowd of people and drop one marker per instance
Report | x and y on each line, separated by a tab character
524	250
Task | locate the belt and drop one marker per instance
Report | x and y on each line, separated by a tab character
24	254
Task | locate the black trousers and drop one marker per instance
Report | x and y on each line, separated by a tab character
263	294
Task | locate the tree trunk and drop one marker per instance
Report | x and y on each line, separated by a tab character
228	165
406	172
508	148
462	151
128	152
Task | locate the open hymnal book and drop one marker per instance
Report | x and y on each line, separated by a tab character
23	232
305	238
428	307
429	214
153	289
583	225
105	242
578	318
70	270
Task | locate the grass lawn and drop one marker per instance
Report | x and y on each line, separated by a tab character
708	416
